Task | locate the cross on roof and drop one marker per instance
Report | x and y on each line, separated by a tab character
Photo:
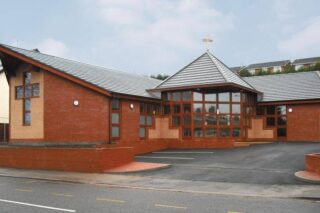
207	40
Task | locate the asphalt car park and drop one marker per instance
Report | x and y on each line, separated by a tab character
259	164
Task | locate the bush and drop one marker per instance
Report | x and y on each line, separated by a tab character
245	73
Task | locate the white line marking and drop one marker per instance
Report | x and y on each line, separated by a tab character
176	158
38	206
183	152
169	206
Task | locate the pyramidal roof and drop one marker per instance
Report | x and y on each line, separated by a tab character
205	70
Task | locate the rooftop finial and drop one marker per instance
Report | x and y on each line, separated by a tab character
207	40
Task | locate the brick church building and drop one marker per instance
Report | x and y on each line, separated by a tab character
204	105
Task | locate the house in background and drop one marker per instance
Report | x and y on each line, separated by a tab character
305	63
4	106
270	67
237	69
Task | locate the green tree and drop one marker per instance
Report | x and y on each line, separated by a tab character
160	76
245	73
317	66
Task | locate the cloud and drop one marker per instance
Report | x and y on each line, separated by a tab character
306	41
158	30
53	47
283	9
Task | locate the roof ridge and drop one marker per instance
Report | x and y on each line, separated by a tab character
218	65
75	61
283	74
179	71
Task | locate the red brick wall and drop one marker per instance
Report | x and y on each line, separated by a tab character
65	122
312	162
303	123
65	159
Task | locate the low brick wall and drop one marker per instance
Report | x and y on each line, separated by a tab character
312	162
94	160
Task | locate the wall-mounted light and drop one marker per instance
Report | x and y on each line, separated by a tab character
76	103
218	111
131	106
290	110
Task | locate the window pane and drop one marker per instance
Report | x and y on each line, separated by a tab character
282	120
236	109
166	109
35	90
142	120
281	110
176	108
142	108
224	132
210	97
236	132
27	105
27	78
27	118
211	108
197	108
197	96
27	91
197	120
270	110
186	96
115	104
19	92
211	132
186	132
115	132
282	132
149	120
270	122
115	118
142	132
211	120
176	96
259	110
164	96
224	108
236	97
186	108
224	120
187	120
198	132
175	120
236	120
225	96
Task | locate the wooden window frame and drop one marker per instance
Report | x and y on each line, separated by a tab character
120	116
150	110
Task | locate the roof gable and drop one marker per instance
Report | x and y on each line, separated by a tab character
205	70
107	79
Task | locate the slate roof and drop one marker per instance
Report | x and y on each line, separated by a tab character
287	87
205	70
306	60
268	64
108	79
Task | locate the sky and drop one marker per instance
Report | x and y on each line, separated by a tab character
162	36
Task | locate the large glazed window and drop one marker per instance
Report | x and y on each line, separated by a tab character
204	113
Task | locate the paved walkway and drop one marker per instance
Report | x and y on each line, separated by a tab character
138	167
184	186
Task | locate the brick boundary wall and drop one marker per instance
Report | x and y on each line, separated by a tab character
312	163
93	160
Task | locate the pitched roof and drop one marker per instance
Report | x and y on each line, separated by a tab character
287	87
306	60
108	79
268	64
205	70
